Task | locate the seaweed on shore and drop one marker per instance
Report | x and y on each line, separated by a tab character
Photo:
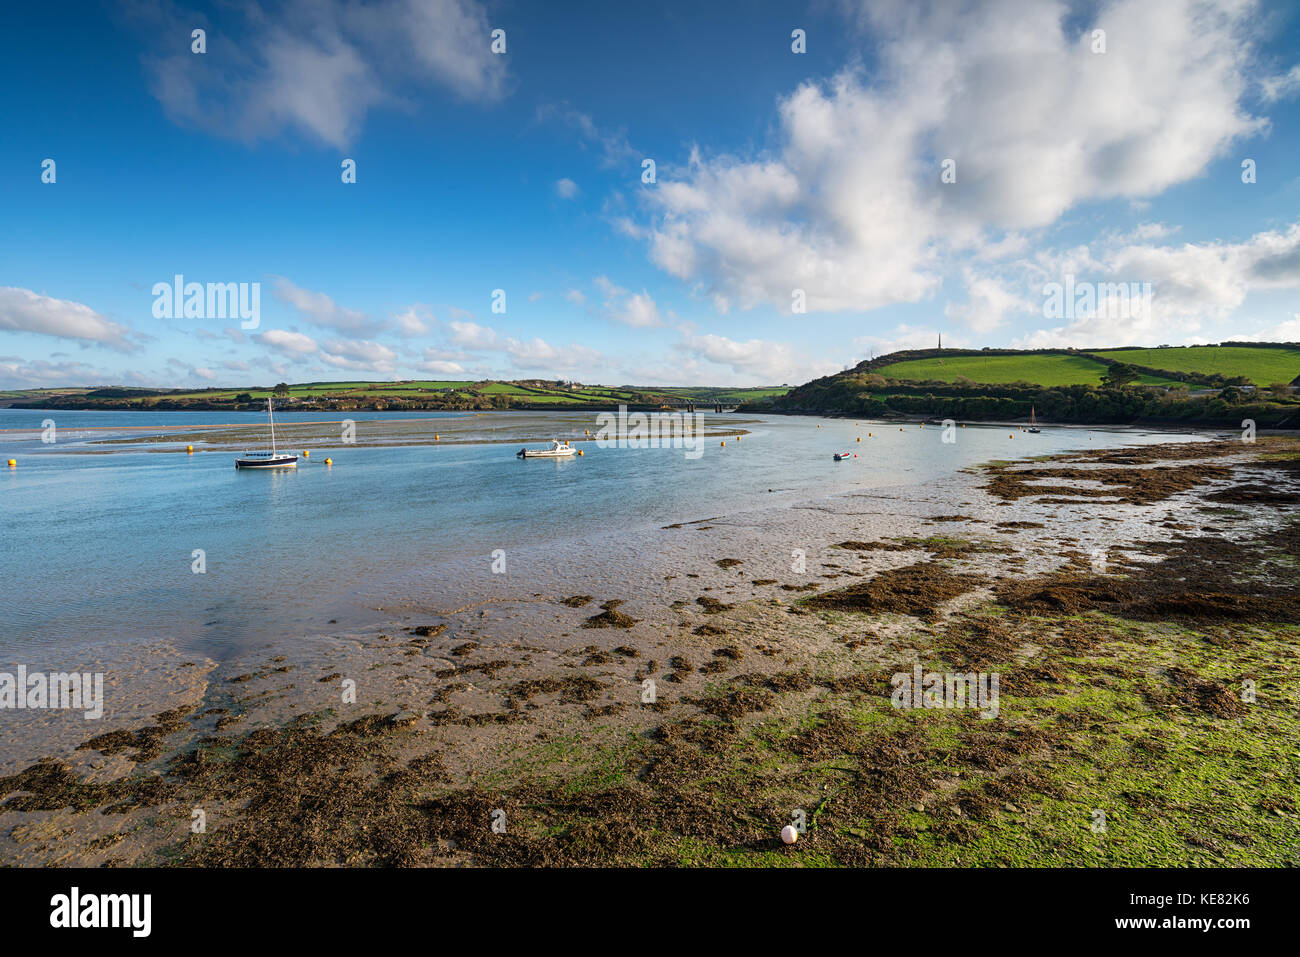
920	590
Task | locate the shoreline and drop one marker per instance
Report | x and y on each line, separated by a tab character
759	692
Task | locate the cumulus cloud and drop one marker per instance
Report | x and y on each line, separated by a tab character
319	309
989	302
848	205
289	343
566	188
636	309
360	354
440	367
471	335
318	66
1192	286
19	373
415	321
22	310
756	359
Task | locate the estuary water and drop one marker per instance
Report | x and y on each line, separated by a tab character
113	532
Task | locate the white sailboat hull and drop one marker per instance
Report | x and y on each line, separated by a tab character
267	462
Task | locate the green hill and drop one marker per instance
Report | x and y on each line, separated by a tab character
1045	370
1263	366
1202	385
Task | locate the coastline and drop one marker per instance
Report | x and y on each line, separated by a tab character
529	699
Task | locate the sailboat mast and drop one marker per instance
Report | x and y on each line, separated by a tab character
271	415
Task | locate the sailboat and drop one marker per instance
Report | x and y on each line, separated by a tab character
271	459
1032	426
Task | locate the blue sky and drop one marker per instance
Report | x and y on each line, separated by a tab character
780	176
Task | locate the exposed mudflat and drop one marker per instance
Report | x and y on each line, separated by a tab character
682	697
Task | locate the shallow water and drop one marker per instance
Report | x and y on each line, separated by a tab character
102	547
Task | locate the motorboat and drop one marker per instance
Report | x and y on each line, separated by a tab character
557	450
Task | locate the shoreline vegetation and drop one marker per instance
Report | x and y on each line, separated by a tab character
1147	712
1218	386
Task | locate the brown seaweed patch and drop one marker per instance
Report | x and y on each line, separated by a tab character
918	589
711	605
610	617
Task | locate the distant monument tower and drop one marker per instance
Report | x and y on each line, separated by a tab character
941	340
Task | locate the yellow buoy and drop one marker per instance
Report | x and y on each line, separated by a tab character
738	438
13	463
306	454
868	436
859	438
579	451
724	441
189	450
329	461
435	438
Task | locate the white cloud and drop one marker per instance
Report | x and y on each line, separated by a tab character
359	354
612	143
635	309
319	309
988	303
848	206
290	343
1192	285
759	360
566	188
472	336
22	310
415	321
318	66
1281	87
441	367
19	373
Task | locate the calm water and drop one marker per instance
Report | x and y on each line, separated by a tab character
100	545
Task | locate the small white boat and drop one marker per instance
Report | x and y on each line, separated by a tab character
1032	427
556	451
271	459
841	456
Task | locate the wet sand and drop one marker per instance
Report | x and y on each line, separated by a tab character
1123	613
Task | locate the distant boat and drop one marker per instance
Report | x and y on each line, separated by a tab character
556	451
841	456
271	459
1032	427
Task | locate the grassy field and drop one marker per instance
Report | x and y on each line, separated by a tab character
1261	366
1045	370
